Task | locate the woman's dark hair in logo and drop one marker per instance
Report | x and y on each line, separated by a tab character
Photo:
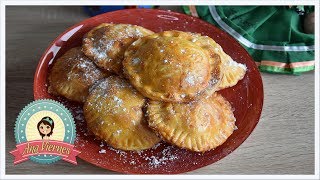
45	126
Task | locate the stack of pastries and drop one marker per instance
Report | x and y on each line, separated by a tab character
139	87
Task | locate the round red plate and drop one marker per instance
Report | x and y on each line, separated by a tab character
246	97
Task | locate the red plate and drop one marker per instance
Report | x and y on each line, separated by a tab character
246	97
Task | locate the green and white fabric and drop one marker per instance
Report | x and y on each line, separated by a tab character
273	35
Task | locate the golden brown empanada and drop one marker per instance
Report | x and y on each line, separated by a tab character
171	66
113	112
73	74
106	43
233	72
198	125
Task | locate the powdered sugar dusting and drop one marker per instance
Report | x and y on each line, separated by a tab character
190	79
101	144
105	98
234	64
213	81
117	33
153	160
83	69
126	31
166	155
102	151
101	48
138	33
117	132
136	61
118	101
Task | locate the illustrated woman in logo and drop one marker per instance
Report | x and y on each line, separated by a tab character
45	127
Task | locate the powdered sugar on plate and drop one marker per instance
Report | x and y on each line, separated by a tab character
153	160
166	155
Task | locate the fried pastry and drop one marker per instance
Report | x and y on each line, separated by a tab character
72	75
233	72
198	125
171	66
113	112
106	43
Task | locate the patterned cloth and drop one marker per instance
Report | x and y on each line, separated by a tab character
273	35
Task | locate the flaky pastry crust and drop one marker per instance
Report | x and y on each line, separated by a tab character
233	71
106	44
73	74
198	126
114	113
171	66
